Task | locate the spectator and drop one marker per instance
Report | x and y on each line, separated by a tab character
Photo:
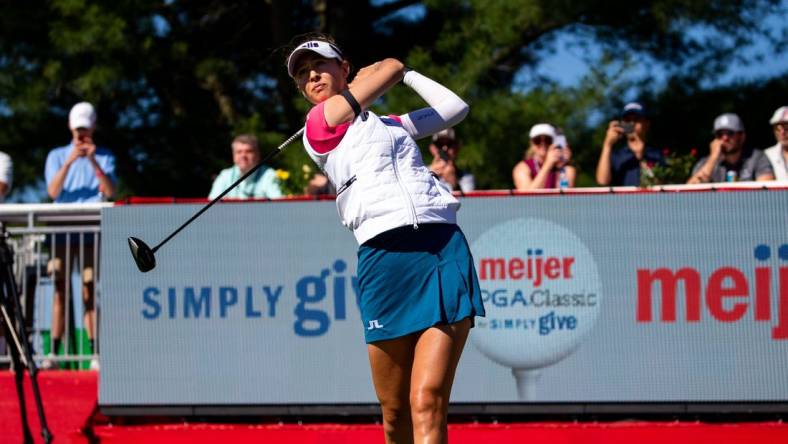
623	166
262	184
80	171
545	164
778	154
566	155
6	174
444	149
727	159
77	172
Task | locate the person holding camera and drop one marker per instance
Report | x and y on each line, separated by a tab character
78	172
546	161
444	149
623	167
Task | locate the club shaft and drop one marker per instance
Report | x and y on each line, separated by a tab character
265	159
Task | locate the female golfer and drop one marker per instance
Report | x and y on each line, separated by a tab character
418	287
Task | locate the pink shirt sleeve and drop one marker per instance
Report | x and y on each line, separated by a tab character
321	137
324	138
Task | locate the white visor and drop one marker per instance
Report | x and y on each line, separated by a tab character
324	49
542	129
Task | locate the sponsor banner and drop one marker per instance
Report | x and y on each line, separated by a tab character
600	298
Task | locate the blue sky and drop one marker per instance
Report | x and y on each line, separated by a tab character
569	62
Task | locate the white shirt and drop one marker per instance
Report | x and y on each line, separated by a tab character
776	158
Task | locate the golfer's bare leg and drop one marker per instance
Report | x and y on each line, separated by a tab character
438	351
391	362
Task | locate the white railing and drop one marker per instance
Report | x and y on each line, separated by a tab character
42	237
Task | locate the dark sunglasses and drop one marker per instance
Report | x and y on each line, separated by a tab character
722	133
538	140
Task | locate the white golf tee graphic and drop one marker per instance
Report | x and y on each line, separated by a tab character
542	294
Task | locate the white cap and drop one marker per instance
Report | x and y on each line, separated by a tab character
448	133
82	115
542	129
323	48
728	121
780	116
633	108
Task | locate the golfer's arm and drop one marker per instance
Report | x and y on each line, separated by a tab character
366	88
384	75
445	109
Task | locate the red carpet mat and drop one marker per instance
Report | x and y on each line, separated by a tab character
553	433
69	398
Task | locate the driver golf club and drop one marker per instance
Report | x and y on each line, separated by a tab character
144	255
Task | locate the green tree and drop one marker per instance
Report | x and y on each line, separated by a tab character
174	81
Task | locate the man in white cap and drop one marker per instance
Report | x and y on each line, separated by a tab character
77	172
6	174
623	166
444	149
778	154
80	171
728	160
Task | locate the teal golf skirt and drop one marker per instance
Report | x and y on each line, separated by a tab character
412	279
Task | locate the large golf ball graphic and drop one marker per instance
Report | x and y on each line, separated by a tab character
542	293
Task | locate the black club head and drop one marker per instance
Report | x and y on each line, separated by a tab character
143	255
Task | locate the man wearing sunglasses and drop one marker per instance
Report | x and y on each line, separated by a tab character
778	154
623	166
444	149
728	160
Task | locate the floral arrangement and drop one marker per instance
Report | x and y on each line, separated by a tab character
295	184
677	169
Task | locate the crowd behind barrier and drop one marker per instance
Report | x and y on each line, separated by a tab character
83	171
60	245
38	230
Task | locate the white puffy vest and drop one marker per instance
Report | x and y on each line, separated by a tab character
381	180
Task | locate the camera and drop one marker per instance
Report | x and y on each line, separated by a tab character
628	127
443	153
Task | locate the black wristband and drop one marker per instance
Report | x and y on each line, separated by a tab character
352	102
